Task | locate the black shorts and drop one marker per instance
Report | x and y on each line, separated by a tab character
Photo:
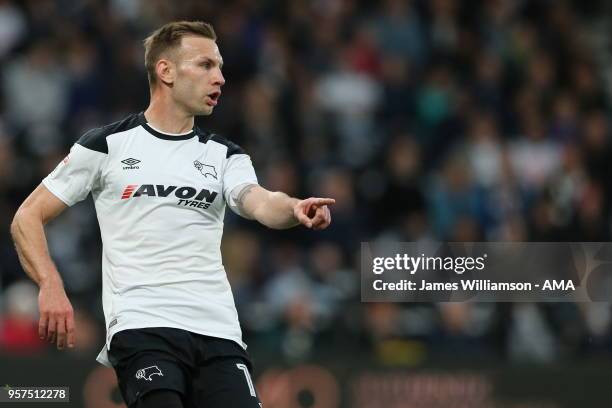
208	372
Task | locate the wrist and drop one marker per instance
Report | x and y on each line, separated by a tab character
294	204
50	282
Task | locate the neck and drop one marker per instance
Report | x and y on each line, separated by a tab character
164	115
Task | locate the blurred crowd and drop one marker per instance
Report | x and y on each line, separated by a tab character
424	119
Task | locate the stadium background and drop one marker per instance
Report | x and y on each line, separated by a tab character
452	120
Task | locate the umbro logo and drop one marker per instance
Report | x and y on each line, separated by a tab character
130	163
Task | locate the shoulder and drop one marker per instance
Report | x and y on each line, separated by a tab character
95	139
232	148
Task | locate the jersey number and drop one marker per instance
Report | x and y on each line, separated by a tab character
244	368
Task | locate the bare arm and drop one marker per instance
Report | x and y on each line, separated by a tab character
27	229
278	210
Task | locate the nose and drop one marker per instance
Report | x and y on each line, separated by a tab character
219	80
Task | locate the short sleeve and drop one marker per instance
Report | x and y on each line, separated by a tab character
76	175
239	171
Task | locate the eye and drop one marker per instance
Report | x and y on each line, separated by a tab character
206	65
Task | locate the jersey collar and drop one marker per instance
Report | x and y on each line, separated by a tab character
161	135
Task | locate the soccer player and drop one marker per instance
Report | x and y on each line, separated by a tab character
160	186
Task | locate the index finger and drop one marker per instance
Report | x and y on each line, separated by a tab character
324	201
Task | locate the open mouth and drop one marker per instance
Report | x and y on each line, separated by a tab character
214	97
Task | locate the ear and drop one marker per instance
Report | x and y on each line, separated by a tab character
166	71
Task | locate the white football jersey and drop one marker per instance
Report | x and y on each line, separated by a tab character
160	201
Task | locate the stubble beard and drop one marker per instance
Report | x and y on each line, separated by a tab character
202	110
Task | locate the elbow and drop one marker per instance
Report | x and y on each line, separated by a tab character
15	225
19	218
